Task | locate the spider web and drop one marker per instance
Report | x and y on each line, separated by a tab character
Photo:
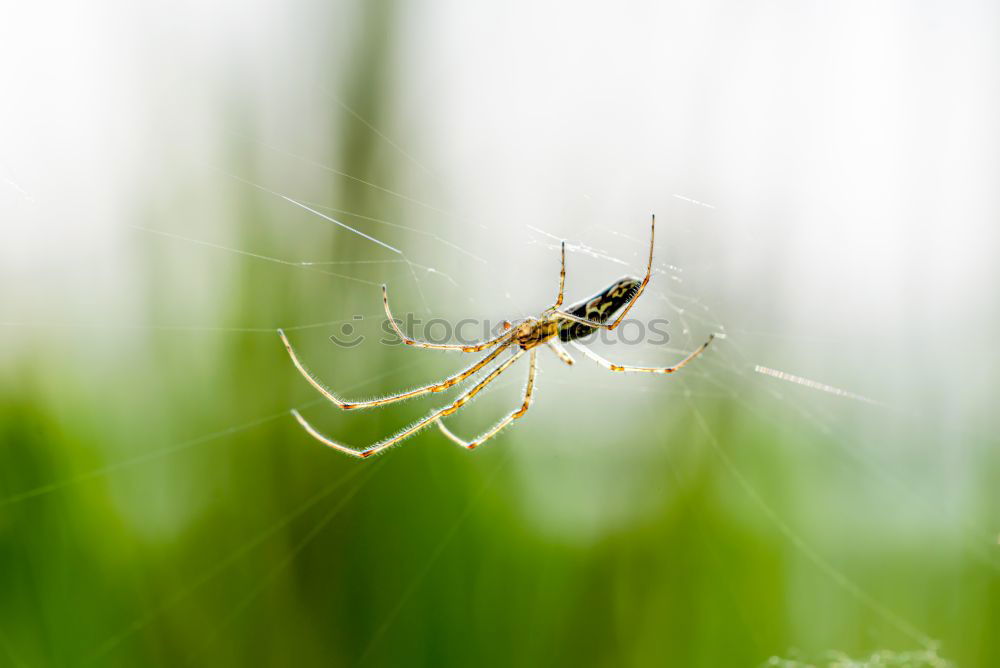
312	242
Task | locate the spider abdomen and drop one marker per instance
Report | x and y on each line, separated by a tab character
599	308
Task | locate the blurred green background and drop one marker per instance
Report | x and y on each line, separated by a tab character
825	181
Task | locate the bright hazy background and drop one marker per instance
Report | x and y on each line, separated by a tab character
825	180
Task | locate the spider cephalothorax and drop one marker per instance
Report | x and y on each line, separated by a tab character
535	331
555	324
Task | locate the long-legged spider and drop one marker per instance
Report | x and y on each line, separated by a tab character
553	326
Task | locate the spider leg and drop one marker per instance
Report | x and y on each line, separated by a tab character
635	297
560	351
617	367
436	387
562	280
415	427
475	347
493	431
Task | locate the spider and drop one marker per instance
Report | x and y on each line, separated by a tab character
553	327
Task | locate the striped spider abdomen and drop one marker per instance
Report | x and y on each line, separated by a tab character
599	308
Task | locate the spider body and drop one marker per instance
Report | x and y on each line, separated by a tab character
598	308
553	326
